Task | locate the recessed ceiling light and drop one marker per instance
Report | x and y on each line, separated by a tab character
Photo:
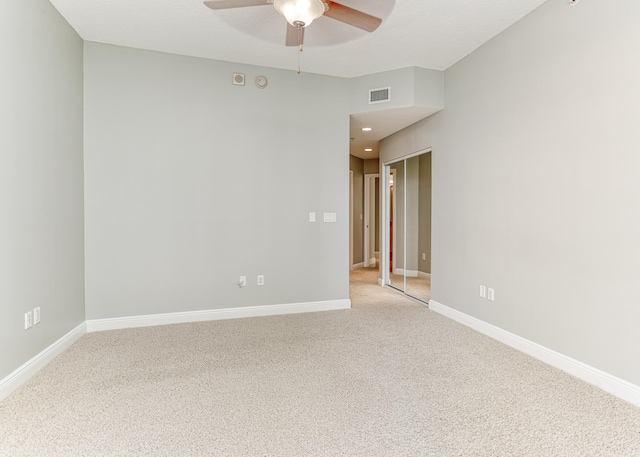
366	129
368	150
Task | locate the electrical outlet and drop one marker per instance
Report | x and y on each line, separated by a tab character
491	294
242	282
424	256
261	280
28	320
36	316
483	291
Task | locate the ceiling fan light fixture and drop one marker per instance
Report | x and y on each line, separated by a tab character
299	13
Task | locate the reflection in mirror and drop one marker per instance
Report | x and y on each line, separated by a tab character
396	226
409	224
418	227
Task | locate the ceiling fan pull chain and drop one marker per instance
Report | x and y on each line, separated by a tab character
299	45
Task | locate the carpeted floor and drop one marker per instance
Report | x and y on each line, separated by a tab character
385	378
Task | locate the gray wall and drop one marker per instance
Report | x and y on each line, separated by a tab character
41	196
192	181
356	165
536	182
371	166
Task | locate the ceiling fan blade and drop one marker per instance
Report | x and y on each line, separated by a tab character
292	35
224	4
352	17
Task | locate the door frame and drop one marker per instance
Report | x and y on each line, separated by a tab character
394	199
385	213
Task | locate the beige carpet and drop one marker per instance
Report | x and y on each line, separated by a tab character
386	378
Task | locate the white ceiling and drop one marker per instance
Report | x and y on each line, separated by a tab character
432	34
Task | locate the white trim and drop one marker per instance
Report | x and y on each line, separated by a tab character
404	222
384	228
365	222
423	275
393	213
23	373
97	325
357	266
36	363
372	262
605	381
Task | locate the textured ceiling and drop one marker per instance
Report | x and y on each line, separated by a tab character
425	33
432	34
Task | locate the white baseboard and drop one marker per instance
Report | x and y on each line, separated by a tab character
357	266
36	363
97	325
423	275
605	381
409	273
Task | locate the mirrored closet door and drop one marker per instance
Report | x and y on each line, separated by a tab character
407	220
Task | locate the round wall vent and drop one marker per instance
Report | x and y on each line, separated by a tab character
238	79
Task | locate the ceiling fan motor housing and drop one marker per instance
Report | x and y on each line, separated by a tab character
300	13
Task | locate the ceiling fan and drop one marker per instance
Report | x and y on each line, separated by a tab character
300	13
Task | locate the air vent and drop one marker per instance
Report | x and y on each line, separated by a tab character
381	95
238	79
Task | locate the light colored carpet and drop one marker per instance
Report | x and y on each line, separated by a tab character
386	378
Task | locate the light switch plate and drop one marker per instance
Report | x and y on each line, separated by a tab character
330	217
